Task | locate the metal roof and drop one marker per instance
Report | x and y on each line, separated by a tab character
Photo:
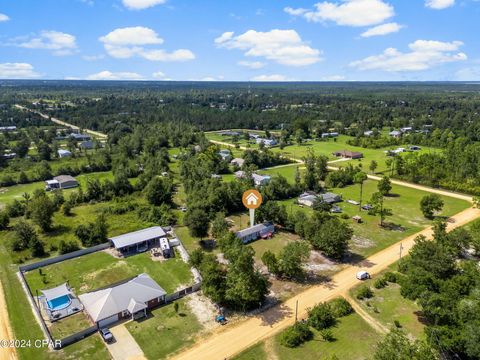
104	303
64	178
56	292
137	237
252	230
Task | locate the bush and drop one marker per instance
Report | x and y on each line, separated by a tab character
397	324
391	277
380	283
345	216
364	292
68	247
296	335
4	220
340	307
321	317
327	335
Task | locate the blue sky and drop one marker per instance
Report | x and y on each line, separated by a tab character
240	40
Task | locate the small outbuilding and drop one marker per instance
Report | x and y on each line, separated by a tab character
61	182
348	154
62	153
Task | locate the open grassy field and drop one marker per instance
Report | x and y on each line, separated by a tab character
369	237
93	271
326	148
164	331
10	193
389	305
354	340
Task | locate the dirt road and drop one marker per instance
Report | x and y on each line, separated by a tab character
6	333
63	123
232	340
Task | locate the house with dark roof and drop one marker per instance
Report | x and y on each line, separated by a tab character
128	300
138	241
348	154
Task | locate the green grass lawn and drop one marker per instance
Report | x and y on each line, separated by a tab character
90	272
354	340
389	305
405	205
275	244
165	332
69	325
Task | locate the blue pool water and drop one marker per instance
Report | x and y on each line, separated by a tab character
59	303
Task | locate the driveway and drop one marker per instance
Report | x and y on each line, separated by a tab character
125	347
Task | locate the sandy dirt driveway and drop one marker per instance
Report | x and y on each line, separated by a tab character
125	347
232	340
6	333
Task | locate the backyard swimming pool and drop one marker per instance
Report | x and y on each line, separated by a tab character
59	303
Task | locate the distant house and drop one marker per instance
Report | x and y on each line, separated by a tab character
253	136
9	155
138	241
406	129
260	180
266	142
368	133
127	300
329	135
238	162
7	128
62	153
61	182
348	154
225	154
309	198
80	137
395	133
86	145
256	232
239	174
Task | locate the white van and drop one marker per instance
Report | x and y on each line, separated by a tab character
363	275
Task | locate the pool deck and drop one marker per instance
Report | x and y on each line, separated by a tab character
74	307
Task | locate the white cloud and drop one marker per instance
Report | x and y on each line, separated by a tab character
3	17
108	75
347	12
124	43
58	42
141	4
252	64
424	54
334	78
158	75
273	77
285	47
17	71
383	29
439	4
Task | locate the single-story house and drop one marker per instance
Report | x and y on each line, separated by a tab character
225	154
309	198
267	142
256	232
260	180
61	182
368	133
80	137
130	299
395	133
406	129
253	136
238	162
7	128
87	145
62	153
348	154
329	135
138	241
239	174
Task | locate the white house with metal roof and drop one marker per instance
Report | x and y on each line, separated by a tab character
255	232
138	241
130	299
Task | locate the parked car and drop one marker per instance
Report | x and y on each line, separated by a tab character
363	275
107	336
367	207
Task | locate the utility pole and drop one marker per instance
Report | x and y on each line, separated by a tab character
296	311
401	248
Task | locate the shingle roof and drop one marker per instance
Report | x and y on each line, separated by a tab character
137	237
104	303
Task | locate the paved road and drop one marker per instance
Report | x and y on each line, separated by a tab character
236	338
125	347
63	123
